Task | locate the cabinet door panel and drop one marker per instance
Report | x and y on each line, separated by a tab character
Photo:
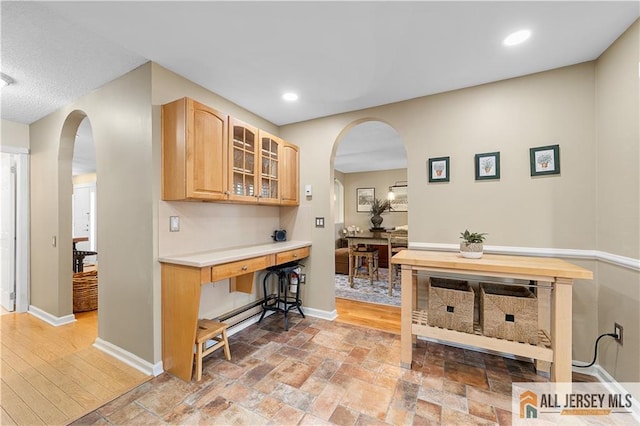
206	155
194	153
242	174
290	185
269	168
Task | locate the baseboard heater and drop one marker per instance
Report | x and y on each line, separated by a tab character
246	312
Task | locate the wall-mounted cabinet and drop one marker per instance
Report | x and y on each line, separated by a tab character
208	156
194	148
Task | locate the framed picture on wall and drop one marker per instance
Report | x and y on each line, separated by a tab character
364	199
438	169
399	202
488	166
545	160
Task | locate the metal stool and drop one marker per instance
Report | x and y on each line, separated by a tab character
283	302
210	330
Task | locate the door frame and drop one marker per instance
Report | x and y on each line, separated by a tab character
22	225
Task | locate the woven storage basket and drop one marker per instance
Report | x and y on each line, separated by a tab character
450	304
85	291
509	312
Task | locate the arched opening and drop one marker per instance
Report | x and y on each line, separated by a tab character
369	163
78	207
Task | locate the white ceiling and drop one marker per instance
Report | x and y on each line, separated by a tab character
338	56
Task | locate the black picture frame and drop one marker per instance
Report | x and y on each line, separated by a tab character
487	166
545	160
438	169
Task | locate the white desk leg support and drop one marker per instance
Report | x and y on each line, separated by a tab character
561	325
406	340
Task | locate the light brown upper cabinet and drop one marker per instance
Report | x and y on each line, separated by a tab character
209	156
194	151
243	160
290	176
270	168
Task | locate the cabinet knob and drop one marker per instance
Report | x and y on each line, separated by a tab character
295	255
245	267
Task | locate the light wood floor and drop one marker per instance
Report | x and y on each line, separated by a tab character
372	315
53	375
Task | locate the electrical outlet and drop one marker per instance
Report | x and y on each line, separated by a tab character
617	328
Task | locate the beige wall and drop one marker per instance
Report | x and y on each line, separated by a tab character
14	134
380	180
551	212
618	200
509	116
120	115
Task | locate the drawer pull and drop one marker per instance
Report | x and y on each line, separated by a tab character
295	255
245	267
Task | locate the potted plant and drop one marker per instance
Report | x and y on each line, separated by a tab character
471	246
378	207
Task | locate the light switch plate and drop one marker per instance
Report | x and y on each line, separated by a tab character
174	223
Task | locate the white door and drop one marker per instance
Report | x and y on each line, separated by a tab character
8	231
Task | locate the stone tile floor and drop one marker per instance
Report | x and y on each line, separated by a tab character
323	372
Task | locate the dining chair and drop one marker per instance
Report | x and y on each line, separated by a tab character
359	255
397	241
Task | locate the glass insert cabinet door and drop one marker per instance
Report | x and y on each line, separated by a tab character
269	167
243	152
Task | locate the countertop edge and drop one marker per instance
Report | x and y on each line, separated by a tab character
231	254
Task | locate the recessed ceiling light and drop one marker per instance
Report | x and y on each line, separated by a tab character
290	96
5	80
517	37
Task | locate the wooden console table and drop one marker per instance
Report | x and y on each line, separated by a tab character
554	278
183	277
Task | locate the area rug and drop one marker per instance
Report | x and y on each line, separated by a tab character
363	291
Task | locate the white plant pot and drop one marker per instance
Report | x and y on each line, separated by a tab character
471	250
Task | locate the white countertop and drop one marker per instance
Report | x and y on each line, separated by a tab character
231	254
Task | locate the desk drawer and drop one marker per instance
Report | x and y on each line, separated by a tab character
241	267
291	255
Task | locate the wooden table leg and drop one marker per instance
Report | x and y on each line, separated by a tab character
543	293
561	325
350	266
406	340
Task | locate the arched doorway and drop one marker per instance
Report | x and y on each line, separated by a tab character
78	199
369	158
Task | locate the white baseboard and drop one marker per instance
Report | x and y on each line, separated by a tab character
51	319
319	313
613	385
128	358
